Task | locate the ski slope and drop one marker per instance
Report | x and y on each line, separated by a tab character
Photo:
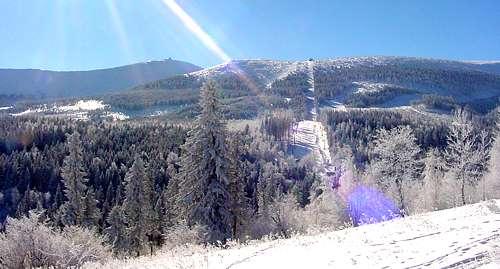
464	237
310	134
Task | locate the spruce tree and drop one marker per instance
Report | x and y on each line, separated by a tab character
239	204
91	213
116	231
138	206
74	180
268	187
170	193
203	191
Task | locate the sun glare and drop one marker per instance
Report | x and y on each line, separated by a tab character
195	28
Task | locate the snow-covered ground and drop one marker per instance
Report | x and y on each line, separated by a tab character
464	237
76	110
6	108
312	136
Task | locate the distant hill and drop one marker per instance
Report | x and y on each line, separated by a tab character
41	83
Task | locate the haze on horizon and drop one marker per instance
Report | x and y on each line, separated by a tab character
92	34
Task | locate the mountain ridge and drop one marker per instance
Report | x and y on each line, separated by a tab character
355	81
48	83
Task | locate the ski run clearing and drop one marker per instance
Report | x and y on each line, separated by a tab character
464	237
312	136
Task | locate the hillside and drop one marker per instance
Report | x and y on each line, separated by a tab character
464	237
42	83
354	82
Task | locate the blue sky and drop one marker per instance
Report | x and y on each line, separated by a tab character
89	34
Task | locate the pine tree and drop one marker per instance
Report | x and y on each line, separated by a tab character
74	180
138	206
116	231
203	191
268	187
170	193
91	213
239	205
56	203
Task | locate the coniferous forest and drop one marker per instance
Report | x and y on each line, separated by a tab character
130	188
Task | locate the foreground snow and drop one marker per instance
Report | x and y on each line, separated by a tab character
465	237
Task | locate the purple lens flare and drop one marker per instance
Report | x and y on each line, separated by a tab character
365	205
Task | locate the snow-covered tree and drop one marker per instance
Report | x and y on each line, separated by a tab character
116	231
268	187
434	192
396	160
91	213
492	178
138	206
170	195
203	191
78	209
465	154
239	204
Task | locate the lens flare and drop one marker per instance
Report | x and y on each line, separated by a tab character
118	25
195	28
365	205
122	35
368	205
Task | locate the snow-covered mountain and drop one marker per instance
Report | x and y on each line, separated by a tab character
464	237
358	82
250	87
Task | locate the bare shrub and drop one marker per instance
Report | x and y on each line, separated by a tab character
182	235
326	212
29	242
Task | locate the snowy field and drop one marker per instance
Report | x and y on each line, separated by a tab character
465	237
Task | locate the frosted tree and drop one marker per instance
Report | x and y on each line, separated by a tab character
91	214
74	180
239	206
138	206
396	160
203	191
268	187
434	180
465	154
116	231
170	195
492	178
